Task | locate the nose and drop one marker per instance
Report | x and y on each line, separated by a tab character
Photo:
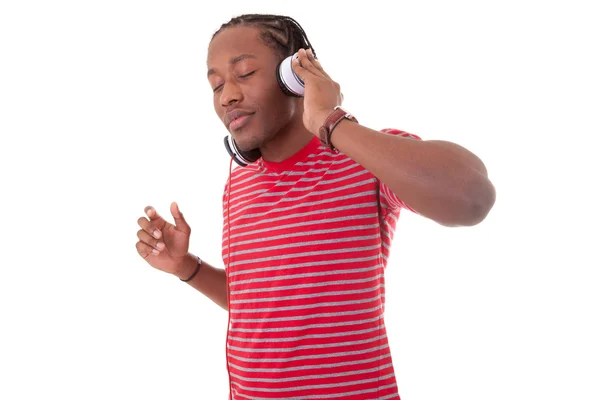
230	94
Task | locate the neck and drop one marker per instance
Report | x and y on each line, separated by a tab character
287	142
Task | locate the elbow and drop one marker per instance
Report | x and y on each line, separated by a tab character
475	206
480	203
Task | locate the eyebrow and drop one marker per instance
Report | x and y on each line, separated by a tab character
233	61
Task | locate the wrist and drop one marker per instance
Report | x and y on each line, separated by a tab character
319	121
330	122
187	266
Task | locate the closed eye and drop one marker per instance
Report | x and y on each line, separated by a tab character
247	75
216	89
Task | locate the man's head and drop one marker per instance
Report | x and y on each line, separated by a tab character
242	60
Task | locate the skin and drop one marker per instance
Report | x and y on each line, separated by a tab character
440	180
276	127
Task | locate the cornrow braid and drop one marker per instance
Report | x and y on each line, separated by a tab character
283	34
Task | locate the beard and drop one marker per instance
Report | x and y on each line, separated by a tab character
255	136
247	141
263	128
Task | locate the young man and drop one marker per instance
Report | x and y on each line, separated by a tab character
308	225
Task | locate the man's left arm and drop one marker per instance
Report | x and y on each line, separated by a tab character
439	180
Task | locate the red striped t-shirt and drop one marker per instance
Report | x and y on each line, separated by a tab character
310	238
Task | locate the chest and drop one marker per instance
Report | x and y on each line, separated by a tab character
307	220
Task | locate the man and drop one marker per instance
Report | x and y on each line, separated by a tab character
308	225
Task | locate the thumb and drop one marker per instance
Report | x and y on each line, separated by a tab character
180	222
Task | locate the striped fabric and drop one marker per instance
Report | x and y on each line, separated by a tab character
305	266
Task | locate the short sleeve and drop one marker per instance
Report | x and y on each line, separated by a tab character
388	198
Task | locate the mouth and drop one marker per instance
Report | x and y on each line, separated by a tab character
239	122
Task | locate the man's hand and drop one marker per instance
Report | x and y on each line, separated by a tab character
162	244
321	93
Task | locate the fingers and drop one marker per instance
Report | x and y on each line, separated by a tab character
316	63
306	60
149	227
180	222
146	250
147	244
157	220
149	236
304	67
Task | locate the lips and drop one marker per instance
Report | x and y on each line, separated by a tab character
237	118
239	122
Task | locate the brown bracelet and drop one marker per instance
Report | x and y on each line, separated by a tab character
336	116
195	272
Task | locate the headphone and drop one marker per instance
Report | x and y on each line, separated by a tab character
292	85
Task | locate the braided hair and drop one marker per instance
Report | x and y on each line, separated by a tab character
283	34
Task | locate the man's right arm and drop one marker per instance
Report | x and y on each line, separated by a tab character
209	280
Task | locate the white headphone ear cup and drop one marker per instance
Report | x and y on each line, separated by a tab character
281	83
289	81
242	158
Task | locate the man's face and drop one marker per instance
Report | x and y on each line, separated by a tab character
247	97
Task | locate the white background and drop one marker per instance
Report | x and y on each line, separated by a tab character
105	108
